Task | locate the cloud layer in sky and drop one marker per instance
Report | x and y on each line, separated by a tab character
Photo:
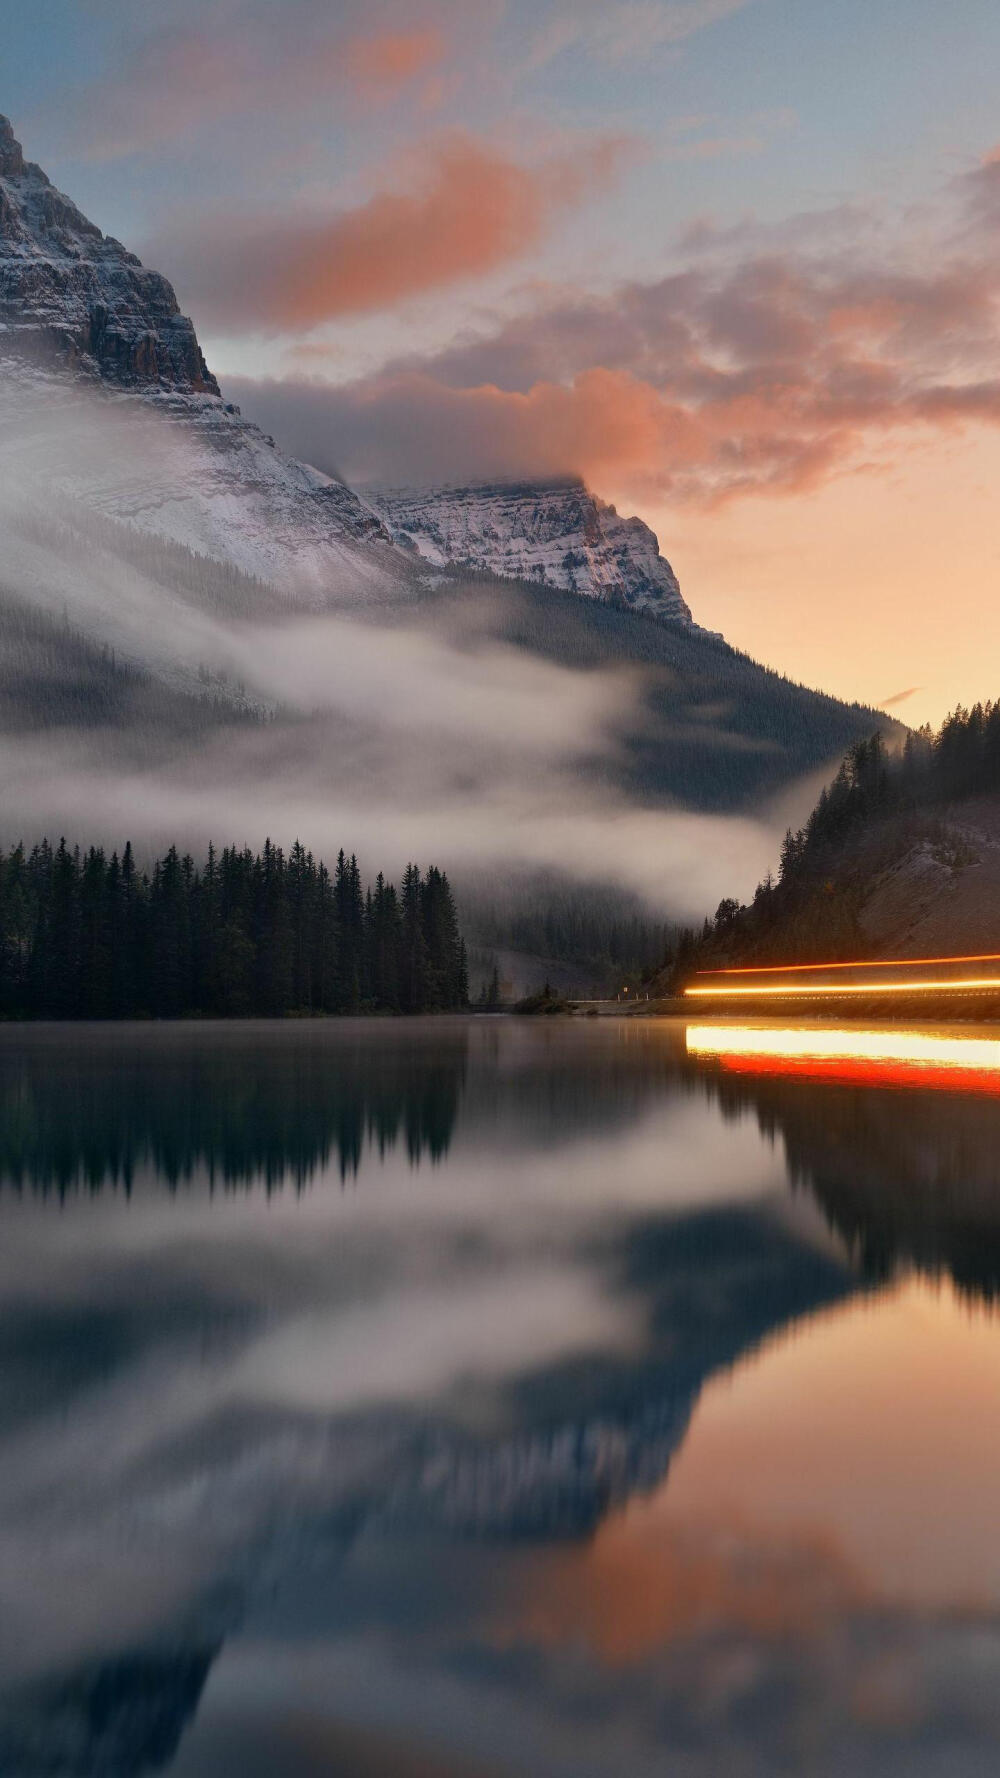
767	363
179	82
467	209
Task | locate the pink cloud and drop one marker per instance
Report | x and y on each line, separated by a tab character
386	61
759	370
470	210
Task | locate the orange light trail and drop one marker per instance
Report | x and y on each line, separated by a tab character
861	963
854	1058
799	989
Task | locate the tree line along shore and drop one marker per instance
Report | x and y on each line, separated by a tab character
84	935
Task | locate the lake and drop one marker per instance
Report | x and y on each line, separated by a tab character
492	1398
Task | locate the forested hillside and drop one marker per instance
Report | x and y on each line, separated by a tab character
83	935
903	843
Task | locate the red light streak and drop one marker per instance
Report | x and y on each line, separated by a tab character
867	1074
854	1057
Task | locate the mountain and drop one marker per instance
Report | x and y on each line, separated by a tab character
80	315
69	292
199	633
552	534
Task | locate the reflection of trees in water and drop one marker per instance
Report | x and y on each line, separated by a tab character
903	1177
241	1110
92	1107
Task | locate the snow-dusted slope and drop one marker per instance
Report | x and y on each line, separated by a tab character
84	324
188	468
104	392
556	534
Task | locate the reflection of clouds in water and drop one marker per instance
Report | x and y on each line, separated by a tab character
504	1346
785	1668
416	1347
207	1332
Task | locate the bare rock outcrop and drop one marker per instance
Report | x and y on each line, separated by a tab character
70	294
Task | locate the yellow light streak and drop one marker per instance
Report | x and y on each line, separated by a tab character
860	963
916	1047
798	990
920	1049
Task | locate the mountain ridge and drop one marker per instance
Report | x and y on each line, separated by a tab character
555	533
74	300
71	293
79	315
106	438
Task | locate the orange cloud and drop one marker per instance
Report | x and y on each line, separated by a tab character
606	425
474	209
383	63
753	370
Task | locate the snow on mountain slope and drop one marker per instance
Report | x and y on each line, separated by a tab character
188	468
104	389
556	534
80	315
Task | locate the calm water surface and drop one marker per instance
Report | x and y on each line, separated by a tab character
498	1397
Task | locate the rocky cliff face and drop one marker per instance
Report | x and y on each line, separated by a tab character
79	314
70	294
554	534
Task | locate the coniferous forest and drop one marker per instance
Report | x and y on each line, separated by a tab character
881	801
87	936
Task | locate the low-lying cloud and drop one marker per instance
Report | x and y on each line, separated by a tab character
406	730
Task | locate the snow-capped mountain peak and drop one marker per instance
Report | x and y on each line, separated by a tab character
69	293
556	534
79	313
127	418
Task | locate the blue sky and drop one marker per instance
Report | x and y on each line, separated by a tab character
818	103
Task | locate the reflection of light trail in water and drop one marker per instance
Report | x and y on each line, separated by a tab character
797	990
871	1058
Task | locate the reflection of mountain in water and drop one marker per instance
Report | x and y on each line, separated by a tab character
117	1718
588	1434
710	1287
218	1103
579	1434
904	1178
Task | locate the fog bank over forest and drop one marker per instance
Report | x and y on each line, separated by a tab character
172	698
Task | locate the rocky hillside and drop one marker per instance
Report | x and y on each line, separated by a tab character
554	534
70	294
899	858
